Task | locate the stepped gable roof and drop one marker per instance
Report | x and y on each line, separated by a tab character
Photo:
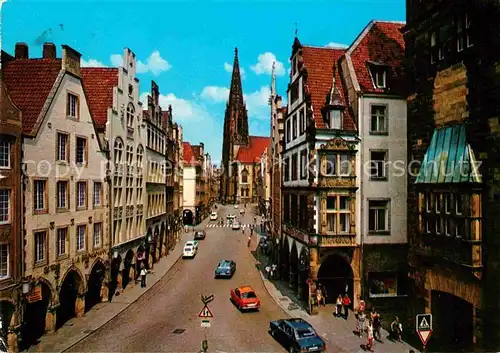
98	84
319	64
256	146
381	43
29	82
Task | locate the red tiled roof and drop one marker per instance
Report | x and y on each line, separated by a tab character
256	146
191	154
319	64
380	42
98	84
29	82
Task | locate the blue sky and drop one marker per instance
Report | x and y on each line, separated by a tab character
187	47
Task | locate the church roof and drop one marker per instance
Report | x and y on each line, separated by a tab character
253	151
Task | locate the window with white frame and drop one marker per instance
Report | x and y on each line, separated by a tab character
468	36
378	161
140	153
378	119
62	147
81	150
338	214
62	195
379	74
338	164
72	106
118	150
39	195
81	194
335	116
81	232
97	235
447	200
4	206
4	152
4	261
97	194
344	164
294	126
303	164
130	116
40	247
62	238
302	122
378	216
288	130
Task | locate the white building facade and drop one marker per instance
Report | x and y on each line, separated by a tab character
66	202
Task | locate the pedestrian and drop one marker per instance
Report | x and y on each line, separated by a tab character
346	302
396	329
319	297
361	322
338	306
249	240
375	320
144	272
268	271
369	333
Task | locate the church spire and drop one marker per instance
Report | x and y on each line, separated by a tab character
236	92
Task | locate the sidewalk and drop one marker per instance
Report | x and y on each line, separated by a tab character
337	332
77	329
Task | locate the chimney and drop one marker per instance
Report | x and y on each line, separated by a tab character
21	51
71	60
49	51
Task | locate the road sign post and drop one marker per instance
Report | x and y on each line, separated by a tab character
205	315
424	328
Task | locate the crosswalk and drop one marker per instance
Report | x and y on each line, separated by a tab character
227	225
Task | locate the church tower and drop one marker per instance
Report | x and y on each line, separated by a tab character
235	130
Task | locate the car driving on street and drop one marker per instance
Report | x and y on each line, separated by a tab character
200	234
245	298
213	216
225	268
297	335
189	251
236	225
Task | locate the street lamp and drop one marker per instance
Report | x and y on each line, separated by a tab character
26	286
115	254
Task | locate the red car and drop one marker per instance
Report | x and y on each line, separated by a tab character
245	298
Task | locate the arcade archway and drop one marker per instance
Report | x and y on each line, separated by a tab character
336	275
285	260
35	316
453	327
115	277
127	266
303	272
94	285
155	249
294	267
71	288
188	217
163	240
6	312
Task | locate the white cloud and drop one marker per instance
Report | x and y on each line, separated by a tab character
336	45
193	115
215	93
229	68
265	65
154	63
91	63
258	103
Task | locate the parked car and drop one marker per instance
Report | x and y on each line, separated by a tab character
236	225
213	216
245	298
236	206
230	216
192	243
225	268
297	335
200	234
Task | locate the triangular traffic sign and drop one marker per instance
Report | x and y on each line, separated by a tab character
424	336
424	325
205	312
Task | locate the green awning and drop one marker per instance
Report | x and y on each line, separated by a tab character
449	158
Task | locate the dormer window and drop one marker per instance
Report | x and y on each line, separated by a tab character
335	119
379	75
294	65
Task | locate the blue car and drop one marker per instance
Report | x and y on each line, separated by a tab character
297	335
225	268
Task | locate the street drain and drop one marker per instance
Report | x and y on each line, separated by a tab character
283	299
178	330
88	331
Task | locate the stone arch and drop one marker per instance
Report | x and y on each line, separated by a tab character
81	284
7	311
94	293
128	268
37	319
71	296
155	247
163	240
336	275
141	259
244	175
304	267
285	259
188	217
115	276
294	265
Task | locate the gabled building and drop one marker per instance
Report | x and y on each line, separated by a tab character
179	182
66	242
117	113
277	143
320	243
159	183
11	216
194	183
373	75
453	185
